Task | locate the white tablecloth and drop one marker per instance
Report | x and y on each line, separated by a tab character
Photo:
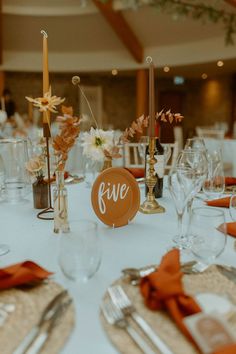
142	242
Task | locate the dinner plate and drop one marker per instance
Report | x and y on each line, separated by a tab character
115	197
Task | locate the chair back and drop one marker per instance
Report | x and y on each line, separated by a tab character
131	156
172	159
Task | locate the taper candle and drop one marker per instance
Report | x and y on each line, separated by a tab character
46	117
152	118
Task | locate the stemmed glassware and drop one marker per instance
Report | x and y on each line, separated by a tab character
214	185
185	181
143	143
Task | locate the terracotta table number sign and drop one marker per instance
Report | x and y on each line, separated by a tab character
115	197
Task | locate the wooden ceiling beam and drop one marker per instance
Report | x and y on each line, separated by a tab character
121	28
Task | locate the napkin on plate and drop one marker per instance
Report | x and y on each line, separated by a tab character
163	289
21	273
230	181
222	202
136	172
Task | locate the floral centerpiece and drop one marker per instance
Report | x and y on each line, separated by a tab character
100	145
62	144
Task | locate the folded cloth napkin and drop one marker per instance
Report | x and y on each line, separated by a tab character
230	181
222	202
231	229
21	273
163	289
231	349
136	172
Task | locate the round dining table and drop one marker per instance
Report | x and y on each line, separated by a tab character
144	241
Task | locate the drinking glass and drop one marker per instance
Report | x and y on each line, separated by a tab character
14	155
80	251
143	143
195	143
232	205
214	184
208	231
180	187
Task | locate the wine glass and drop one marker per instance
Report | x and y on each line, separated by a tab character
180	187
214	184
195	143
143	143
208	231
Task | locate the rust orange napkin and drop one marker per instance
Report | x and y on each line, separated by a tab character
231	229
163	289
231	349
136	172
230	181
222	202
21	273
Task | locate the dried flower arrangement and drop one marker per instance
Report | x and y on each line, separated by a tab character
36	167
64	141
99	144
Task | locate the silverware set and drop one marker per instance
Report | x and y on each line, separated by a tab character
38	335
119	309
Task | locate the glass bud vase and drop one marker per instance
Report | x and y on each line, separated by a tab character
107	163
61	223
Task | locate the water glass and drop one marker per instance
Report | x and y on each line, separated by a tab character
80	251
208	232
14	155
195	143
214	184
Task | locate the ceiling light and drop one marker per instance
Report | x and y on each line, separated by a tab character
204	76
114	72
166	69
220	63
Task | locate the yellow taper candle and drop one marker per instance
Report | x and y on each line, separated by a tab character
152	118
46	117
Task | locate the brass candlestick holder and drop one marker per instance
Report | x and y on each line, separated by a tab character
150	205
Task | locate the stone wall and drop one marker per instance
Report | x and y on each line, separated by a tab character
204	101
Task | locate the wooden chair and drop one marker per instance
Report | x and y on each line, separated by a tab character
131	156
174	154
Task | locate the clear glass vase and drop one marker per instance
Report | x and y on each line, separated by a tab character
107	163
60	200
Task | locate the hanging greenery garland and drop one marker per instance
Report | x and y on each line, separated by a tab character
194	9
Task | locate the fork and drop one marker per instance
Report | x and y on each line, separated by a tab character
123	303
115	317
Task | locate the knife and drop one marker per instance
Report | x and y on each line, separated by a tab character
47	314
39	341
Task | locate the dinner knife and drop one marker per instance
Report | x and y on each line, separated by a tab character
39	341
47	314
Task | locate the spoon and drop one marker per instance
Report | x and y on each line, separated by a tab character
134	275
